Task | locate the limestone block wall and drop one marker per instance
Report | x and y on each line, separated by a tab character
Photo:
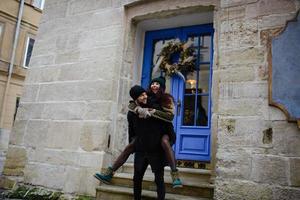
66	118
72	116
258	152
8	20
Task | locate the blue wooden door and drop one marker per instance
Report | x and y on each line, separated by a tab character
192	95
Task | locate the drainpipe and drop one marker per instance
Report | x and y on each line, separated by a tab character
12	60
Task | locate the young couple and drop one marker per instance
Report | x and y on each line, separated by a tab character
151	134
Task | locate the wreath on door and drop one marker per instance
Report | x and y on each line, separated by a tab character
185	63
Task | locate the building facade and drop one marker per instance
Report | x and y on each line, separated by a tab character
72	116
11	88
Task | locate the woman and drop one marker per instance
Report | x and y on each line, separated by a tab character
161	106
158	99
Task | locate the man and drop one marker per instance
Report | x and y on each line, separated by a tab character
147	133
145	137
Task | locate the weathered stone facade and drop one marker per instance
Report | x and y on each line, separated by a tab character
72	117
11	89
256	148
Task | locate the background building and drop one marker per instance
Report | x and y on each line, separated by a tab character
72	116
10	95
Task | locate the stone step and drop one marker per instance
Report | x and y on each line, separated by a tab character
191	188
187	174
113	192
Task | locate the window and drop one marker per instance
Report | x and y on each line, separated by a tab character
196	93
39	4
28	51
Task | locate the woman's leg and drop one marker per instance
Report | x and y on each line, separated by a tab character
107	175
172	162
165	143
129	149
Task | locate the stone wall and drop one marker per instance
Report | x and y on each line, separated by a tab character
68	110
72	117
4	138
8	19
258	152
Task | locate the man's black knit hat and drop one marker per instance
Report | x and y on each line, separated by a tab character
136	91
161	80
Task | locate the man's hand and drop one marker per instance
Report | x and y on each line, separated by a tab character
142	112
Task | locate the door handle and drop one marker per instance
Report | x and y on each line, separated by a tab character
178	107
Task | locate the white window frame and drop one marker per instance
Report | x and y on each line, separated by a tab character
26	50
1	34
1	30
39	4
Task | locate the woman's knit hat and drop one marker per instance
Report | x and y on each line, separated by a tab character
136	91
161	80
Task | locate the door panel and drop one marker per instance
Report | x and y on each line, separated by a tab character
192	95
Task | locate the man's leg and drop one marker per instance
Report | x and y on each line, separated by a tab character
140	166
160	184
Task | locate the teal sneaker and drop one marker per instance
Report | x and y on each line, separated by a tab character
106	176
176	182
